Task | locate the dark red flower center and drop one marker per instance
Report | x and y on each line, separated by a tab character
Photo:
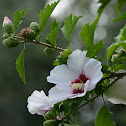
78	84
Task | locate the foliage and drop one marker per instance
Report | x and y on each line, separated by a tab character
120	3
51	37
119	42
104	118
44	15
20	65
87	35
69	25
103	5
18	18
123	16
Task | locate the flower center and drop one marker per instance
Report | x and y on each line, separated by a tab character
78	84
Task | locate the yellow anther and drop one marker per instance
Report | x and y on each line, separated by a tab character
77	86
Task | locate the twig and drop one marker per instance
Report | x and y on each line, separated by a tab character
111	76
39	42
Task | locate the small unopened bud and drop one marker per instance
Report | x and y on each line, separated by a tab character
48	116
115	57
66	53
27	33
35	26
10	42
31	34
122	52
8	25
49	50
6	35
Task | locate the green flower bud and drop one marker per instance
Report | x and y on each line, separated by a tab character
35	26
6	35
27	33
48	116
66	53
50	123
122	52
31	34
49	50
115	57
10	42
8	25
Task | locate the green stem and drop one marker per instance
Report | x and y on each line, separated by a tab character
72	121
39	42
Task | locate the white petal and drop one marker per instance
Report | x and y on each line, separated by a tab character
34	110
76	61
56	95
92	68
38	103
61	75
97	77
91	86
117	93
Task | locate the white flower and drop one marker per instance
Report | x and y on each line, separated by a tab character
117	92
80	75
39	103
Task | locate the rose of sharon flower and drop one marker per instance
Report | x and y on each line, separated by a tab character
80	75
117	92
39	103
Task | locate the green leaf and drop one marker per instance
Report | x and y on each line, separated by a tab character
87	33
121	60
50	123
18	18
123	16
103	5
104	118
105	68
120	3
119	67
94	49
44	15
68	27
56	63
120	41
122	35
51	37
111	49
49	50
20	66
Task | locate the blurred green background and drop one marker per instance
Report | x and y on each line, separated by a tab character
14	94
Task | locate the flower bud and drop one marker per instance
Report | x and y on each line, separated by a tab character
122	52
35	26
8	25
48	116
66	53
10	42
6	35
49	50
115	57
31	34
27	33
